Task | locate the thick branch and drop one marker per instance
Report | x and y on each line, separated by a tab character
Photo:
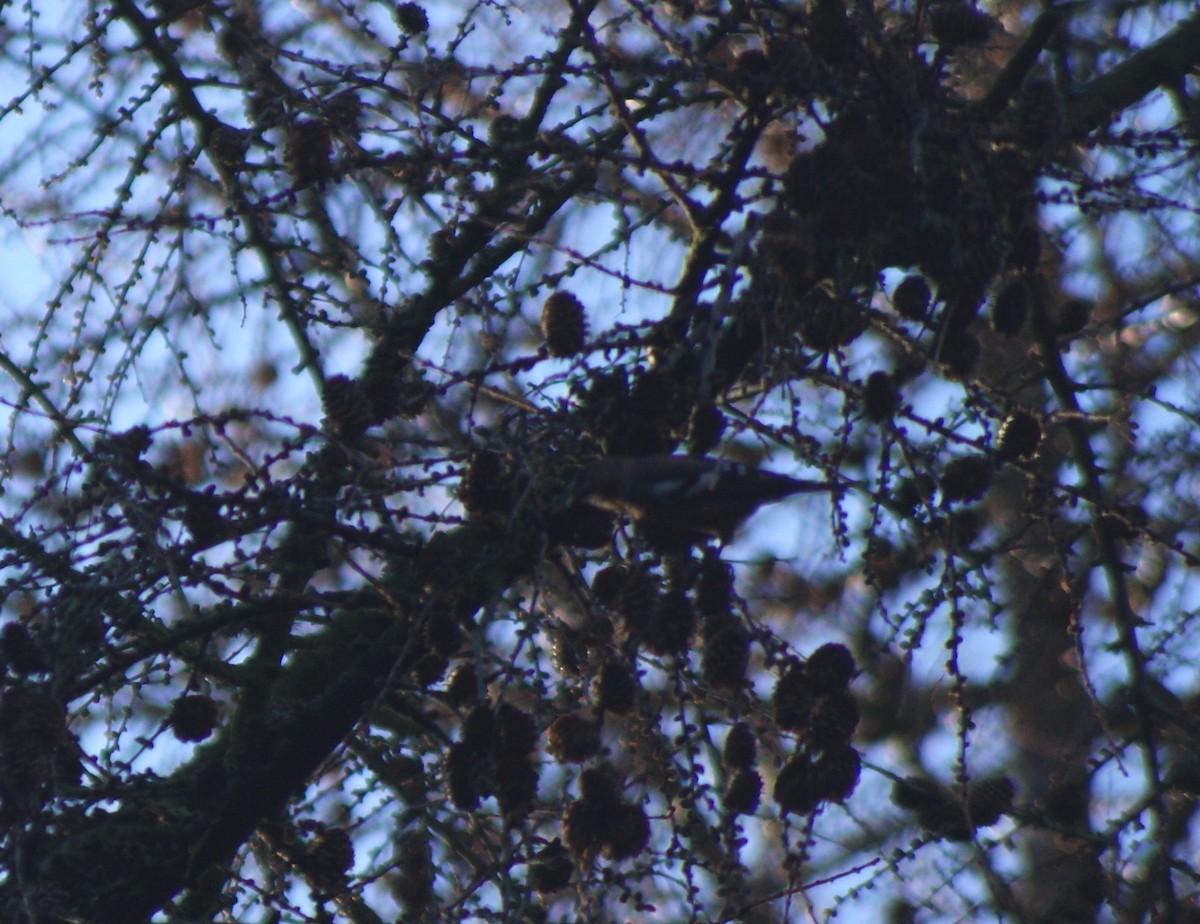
1166	61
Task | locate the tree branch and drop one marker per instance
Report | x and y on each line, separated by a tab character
1164	62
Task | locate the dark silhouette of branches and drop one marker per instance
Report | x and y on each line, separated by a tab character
382	537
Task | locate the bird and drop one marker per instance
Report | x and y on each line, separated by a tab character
692	494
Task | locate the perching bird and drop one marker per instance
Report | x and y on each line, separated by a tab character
697	496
